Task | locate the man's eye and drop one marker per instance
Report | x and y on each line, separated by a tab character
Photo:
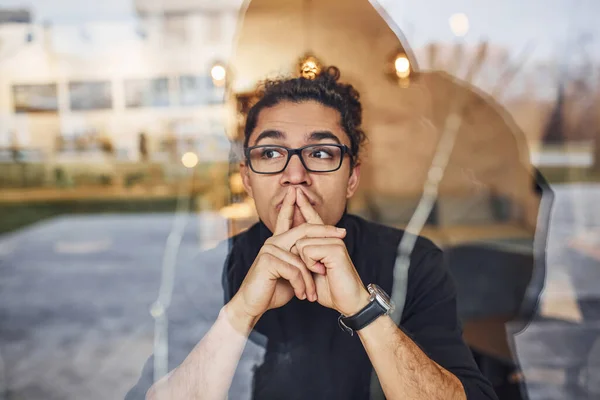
271	153
321	153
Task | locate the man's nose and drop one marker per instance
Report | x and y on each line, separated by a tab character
295	173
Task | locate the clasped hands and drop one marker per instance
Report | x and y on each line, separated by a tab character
309	261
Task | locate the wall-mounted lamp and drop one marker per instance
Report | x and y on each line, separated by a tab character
400	68
309	67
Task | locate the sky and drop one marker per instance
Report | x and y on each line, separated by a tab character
74	11
551	27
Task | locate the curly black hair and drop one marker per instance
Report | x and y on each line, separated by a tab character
324	89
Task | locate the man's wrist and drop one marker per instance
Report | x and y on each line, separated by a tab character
361	302
238	318
381	327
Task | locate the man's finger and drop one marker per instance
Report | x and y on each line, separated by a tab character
317	268
313	250
287	239
281	269
296	261
308	212
286	213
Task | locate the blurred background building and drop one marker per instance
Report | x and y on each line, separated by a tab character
113	103
116	101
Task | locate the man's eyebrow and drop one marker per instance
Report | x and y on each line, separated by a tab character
269	134
322	135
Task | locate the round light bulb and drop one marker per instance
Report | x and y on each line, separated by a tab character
189	159
218	72
402	66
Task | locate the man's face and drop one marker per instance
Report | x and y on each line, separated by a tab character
294	125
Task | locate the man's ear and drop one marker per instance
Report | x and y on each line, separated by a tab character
245	173
353	181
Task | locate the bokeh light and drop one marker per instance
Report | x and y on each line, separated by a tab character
189	159
459	24
402	66
218	73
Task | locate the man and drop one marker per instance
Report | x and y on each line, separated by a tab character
299	277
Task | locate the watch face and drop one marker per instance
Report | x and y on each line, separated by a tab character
381	297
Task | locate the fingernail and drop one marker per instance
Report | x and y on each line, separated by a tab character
304	296
340	230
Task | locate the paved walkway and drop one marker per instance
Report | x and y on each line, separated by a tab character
75	293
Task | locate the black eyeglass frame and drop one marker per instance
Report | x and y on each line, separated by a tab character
345	150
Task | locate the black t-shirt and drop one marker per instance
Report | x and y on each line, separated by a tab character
298	351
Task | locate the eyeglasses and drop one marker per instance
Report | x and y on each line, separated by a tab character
272	159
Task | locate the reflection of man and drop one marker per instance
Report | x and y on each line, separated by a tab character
300	276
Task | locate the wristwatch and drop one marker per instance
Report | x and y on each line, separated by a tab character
379	304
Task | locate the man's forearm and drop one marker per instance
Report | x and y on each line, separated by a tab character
404	371
207	371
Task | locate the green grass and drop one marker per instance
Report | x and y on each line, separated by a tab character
17	215
14	216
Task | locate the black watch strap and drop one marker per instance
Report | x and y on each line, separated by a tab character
361	319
